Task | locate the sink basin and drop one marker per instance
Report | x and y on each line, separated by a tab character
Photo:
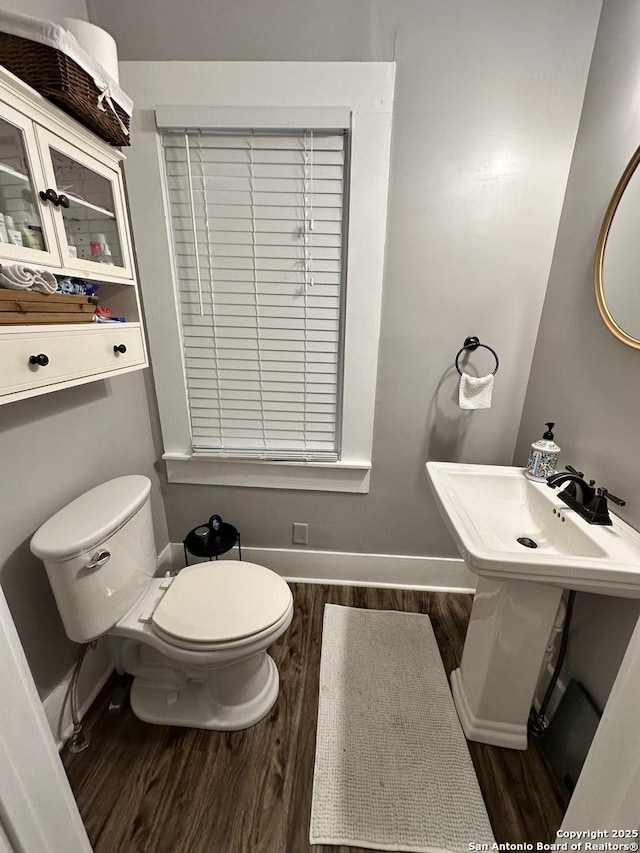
488	508
526	546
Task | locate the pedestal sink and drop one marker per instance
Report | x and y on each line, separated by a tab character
526	546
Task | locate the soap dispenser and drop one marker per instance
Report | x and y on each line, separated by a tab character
543	456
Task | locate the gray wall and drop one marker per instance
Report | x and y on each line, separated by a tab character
582	377
50	10
52	448
488	97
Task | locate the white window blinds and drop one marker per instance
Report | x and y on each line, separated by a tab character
258	230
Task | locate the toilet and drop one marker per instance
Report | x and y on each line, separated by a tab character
196	643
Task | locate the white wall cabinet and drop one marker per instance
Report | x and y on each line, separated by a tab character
63	210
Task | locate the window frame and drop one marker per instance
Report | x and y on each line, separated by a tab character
364	91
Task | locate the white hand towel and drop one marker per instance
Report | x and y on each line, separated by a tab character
475	391
19	277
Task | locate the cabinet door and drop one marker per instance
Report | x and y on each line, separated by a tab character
27	233
90	212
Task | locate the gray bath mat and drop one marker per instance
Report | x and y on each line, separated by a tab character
392	769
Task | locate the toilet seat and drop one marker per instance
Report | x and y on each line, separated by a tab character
221	604
203	648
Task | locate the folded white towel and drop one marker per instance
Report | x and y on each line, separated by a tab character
19	277
475	391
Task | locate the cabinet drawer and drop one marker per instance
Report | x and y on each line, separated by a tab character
70	355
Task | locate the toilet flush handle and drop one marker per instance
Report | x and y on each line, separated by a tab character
98	559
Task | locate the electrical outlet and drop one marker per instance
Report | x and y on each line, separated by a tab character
300	533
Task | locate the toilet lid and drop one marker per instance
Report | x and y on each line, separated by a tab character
222	601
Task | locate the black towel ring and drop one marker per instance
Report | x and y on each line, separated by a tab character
473	343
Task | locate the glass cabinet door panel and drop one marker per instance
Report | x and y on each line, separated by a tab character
86	201
20	221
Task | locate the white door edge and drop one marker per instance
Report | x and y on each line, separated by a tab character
38	813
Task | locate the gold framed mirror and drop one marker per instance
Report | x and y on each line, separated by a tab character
617	264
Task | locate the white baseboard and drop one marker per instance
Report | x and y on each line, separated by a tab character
96	669
442	574
165	560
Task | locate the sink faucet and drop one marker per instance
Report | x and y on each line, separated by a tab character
589	502
580	491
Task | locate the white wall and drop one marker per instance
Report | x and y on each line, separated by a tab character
582	377
488	97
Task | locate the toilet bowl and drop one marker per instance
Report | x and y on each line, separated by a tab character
196	643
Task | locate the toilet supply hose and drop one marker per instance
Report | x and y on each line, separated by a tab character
538	723
79	739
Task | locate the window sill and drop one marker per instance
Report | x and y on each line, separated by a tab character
252	473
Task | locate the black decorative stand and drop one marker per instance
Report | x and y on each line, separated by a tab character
217	542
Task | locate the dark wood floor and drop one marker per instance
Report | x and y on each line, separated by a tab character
157	789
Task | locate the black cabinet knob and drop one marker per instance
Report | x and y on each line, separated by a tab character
40	359
49	195
63	201
119	348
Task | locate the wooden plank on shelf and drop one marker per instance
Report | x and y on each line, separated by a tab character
40	306
8	295
16	318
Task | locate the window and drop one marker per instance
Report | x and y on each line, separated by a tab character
293	350
258	225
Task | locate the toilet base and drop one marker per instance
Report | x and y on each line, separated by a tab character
227	699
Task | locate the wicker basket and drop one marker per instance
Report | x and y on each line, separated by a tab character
62	81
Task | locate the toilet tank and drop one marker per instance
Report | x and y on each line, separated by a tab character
114	517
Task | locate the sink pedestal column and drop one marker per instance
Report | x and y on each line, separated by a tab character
503	652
